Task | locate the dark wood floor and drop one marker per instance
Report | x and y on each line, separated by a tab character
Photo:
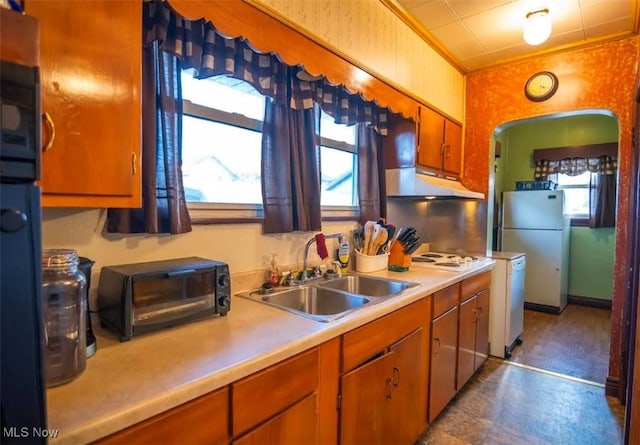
506	403
574	343
510	405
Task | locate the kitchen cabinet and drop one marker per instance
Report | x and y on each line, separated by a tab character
90	68
444	352
459	338
275	393
201	421
434	143
384	379
439	143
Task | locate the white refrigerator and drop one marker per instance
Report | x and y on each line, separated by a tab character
533	223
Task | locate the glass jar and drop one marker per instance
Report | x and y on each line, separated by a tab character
65	313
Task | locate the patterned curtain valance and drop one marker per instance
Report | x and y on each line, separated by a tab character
605	165
199	45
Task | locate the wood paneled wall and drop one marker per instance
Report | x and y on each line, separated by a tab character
372	35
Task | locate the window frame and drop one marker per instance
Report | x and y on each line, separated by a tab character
222	213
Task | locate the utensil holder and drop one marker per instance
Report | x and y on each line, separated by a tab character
398	260
371	263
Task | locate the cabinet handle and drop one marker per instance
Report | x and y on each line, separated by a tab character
447	150
134	158
46	118
436	342
442	150
388	389
396	376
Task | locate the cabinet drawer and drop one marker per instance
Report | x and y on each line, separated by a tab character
266	393
445	299
366	341
296	425
473	285
201	421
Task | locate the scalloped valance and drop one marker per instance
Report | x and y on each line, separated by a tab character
198	44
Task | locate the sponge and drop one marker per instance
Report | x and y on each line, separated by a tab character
322	246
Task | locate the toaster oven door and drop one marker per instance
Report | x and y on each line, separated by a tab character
172	297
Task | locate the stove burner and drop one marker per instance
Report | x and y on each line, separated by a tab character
421	259
450	264
462	258
432	255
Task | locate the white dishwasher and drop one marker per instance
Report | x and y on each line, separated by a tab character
506	320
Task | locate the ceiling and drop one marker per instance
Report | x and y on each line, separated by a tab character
473	34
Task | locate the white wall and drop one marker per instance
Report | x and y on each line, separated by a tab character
242	246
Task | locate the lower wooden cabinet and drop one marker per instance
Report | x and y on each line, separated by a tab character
383	398
459	338
296	425
444	335
204	420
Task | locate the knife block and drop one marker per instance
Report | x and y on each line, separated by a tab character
398	260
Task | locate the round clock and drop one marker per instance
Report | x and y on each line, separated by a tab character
541	86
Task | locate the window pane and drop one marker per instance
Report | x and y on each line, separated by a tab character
220	163
338	132
576	201
224	93
338	169
582	179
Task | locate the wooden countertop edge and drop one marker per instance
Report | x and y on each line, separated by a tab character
126	415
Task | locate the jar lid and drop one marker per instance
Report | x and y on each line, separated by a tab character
59	257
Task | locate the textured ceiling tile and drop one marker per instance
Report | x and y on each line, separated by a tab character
434	14
452	34
596	13
605	29
466	8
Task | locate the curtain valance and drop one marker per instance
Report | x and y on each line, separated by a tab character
199	45
604	165
577	151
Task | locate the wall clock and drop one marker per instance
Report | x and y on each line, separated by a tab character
541	86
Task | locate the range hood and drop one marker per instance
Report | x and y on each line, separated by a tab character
408	182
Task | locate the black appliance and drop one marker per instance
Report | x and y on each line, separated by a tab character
85	266
22	382
137	298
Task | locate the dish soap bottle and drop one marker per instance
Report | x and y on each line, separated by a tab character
274	273
343	255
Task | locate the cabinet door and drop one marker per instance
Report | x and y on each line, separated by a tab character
482	328
406	414
365	396
90	68
452	153
442	388
466	341
296	425
430	139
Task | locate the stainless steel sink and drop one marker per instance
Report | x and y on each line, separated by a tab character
333	298
368	286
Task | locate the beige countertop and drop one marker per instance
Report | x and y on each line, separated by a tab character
125	383
505	255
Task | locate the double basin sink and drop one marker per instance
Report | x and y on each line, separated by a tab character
331	298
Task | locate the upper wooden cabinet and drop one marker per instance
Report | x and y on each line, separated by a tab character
439	146
90	68
434	143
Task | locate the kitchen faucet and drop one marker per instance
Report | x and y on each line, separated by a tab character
306	252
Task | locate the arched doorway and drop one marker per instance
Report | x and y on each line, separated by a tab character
591	254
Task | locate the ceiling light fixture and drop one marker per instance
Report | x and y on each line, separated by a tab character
538	27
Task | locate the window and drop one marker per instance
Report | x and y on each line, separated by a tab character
576	193
221	151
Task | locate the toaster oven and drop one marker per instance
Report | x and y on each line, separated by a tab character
137	298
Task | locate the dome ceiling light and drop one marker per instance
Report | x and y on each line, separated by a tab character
538	27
